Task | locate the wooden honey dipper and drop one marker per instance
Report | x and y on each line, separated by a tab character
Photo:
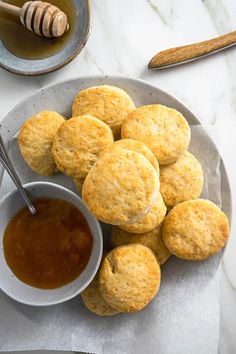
40	17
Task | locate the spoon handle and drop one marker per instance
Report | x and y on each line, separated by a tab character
5	161
191	52
11	9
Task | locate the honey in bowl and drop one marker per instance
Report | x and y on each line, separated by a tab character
25	44
50	249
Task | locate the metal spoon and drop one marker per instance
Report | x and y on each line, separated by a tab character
5	161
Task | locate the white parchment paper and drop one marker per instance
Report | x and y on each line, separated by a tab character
182	319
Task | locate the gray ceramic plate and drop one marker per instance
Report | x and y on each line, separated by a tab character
59	97
78	40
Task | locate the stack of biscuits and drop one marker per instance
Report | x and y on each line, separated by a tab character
132	167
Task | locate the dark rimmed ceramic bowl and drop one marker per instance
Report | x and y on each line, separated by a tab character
76	43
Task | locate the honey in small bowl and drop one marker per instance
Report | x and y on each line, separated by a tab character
50	249
25	44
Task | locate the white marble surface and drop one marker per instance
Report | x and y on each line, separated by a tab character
125	35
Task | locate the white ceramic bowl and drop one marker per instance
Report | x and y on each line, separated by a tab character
29	295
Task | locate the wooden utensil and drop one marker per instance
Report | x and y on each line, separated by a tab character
191	52
40	17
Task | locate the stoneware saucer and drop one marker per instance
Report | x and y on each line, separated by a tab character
29	295
176	275
29	67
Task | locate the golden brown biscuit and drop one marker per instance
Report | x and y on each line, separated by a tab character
79	184
164	130
129	277
35	141
108	103
133	145
181	180
150	220
195	230
151	239
78	143
94	301
121	187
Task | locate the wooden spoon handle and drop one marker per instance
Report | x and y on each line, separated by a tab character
11	9
180	55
